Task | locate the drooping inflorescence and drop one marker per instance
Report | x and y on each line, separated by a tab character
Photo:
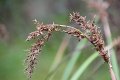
46	30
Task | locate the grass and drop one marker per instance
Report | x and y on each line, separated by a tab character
83	67
73	59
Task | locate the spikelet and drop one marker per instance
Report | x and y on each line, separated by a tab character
94	35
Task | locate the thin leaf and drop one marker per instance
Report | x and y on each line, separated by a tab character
109	41
73	59
83	67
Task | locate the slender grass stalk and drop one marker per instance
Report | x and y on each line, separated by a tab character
83	67
51	74
73	60
94	70
101	7
109	41
60	52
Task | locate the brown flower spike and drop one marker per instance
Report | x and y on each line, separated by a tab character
94	35
45	31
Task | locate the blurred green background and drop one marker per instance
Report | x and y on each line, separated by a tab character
16	23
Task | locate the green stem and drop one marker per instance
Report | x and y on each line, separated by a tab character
73	60
83	67
109	41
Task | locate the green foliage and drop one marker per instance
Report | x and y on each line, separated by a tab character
73	59
83	67
114	59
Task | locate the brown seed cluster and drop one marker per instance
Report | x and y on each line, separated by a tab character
75	32
45	31
32	57
35	49
93	34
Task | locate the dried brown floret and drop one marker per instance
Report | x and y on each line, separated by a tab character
46	32
75	32
31	60
94	37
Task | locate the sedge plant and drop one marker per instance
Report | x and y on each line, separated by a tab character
44	32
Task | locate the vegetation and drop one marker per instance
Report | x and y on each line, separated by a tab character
76	46
90	33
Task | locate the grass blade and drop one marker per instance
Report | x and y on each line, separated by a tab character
73	59
83	67
109	41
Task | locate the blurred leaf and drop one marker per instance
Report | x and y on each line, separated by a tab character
73	60
83	67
